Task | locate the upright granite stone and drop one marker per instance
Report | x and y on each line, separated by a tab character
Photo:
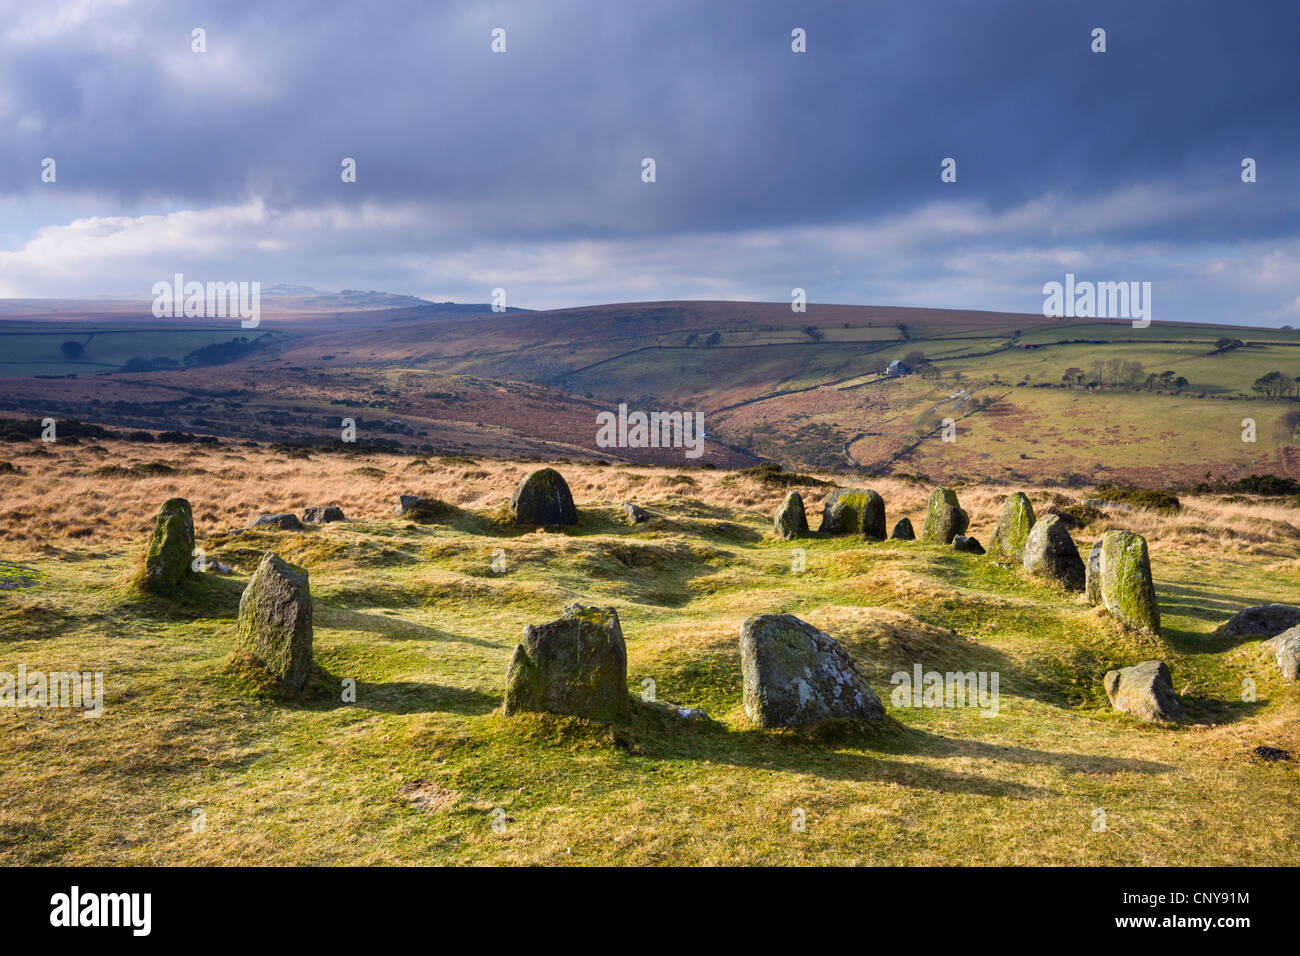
1126	586
575	665
1144	690
1050	553
795	674
1012	529
903	530
1268	620
1092	574
854	511
275	620
543	498
167	560
944	517
1286	650
790	521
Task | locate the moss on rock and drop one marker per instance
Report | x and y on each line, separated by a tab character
944	517
543	498
167	560
790	520
1126	586
854	511
575	665
1012	530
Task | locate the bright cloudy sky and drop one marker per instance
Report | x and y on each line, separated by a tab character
774	169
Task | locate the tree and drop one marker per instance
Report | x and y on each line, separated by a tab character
1271	385
1180	383
72	350
1072	376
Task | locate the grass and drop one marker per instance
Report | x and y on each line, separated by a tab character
417	770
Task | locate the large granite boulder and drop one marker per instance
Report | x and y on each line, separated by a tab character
574	665
1268	620
1012	529
944	517
1092	574
790	521
1050	553
1144	690
284	522
903	530
167	560
1126	586
543	498
1285	648
275	620
854	511
322	515
795	674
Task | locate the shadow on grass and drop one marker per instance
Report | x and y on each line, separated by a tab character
211	596
381	625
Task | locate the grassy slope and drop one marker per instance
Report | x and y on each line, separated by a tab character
413	771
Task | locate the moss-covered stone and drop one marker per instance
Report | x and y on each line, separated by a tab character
543	498
167	560
903	530
944	517
422	509
1012	530
1146	691
790	520
1126	586
1050	552
575	665
275	626
795	675
854	511
1092	574
1285	648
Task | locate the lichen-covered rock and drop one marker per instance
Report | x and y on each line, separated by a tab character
275	620
1012	530
790	521
1286	651
903	530
1144	690
795	674
1050	553
167	560
1268	620
944	517
575	665
854	511
634	514
966	544
543	498
1092	574
323	515
284	522
420	508
1126	586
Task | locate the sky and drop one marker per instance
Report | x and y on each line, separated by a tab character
774	169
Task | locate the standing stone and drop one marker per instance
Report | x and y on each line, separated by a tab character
1286	649
1266	619
1092	575
944	517
795	674
1050	553
275	620
323	515
575	665
543	498
1126	586
167	561
1144	690
1012	529
903	530
966	544
854	511
790	521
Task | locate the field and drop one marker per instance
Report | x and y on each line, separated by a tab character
199	761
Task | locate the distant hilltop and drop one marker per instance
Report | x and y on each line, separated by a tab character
355	299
